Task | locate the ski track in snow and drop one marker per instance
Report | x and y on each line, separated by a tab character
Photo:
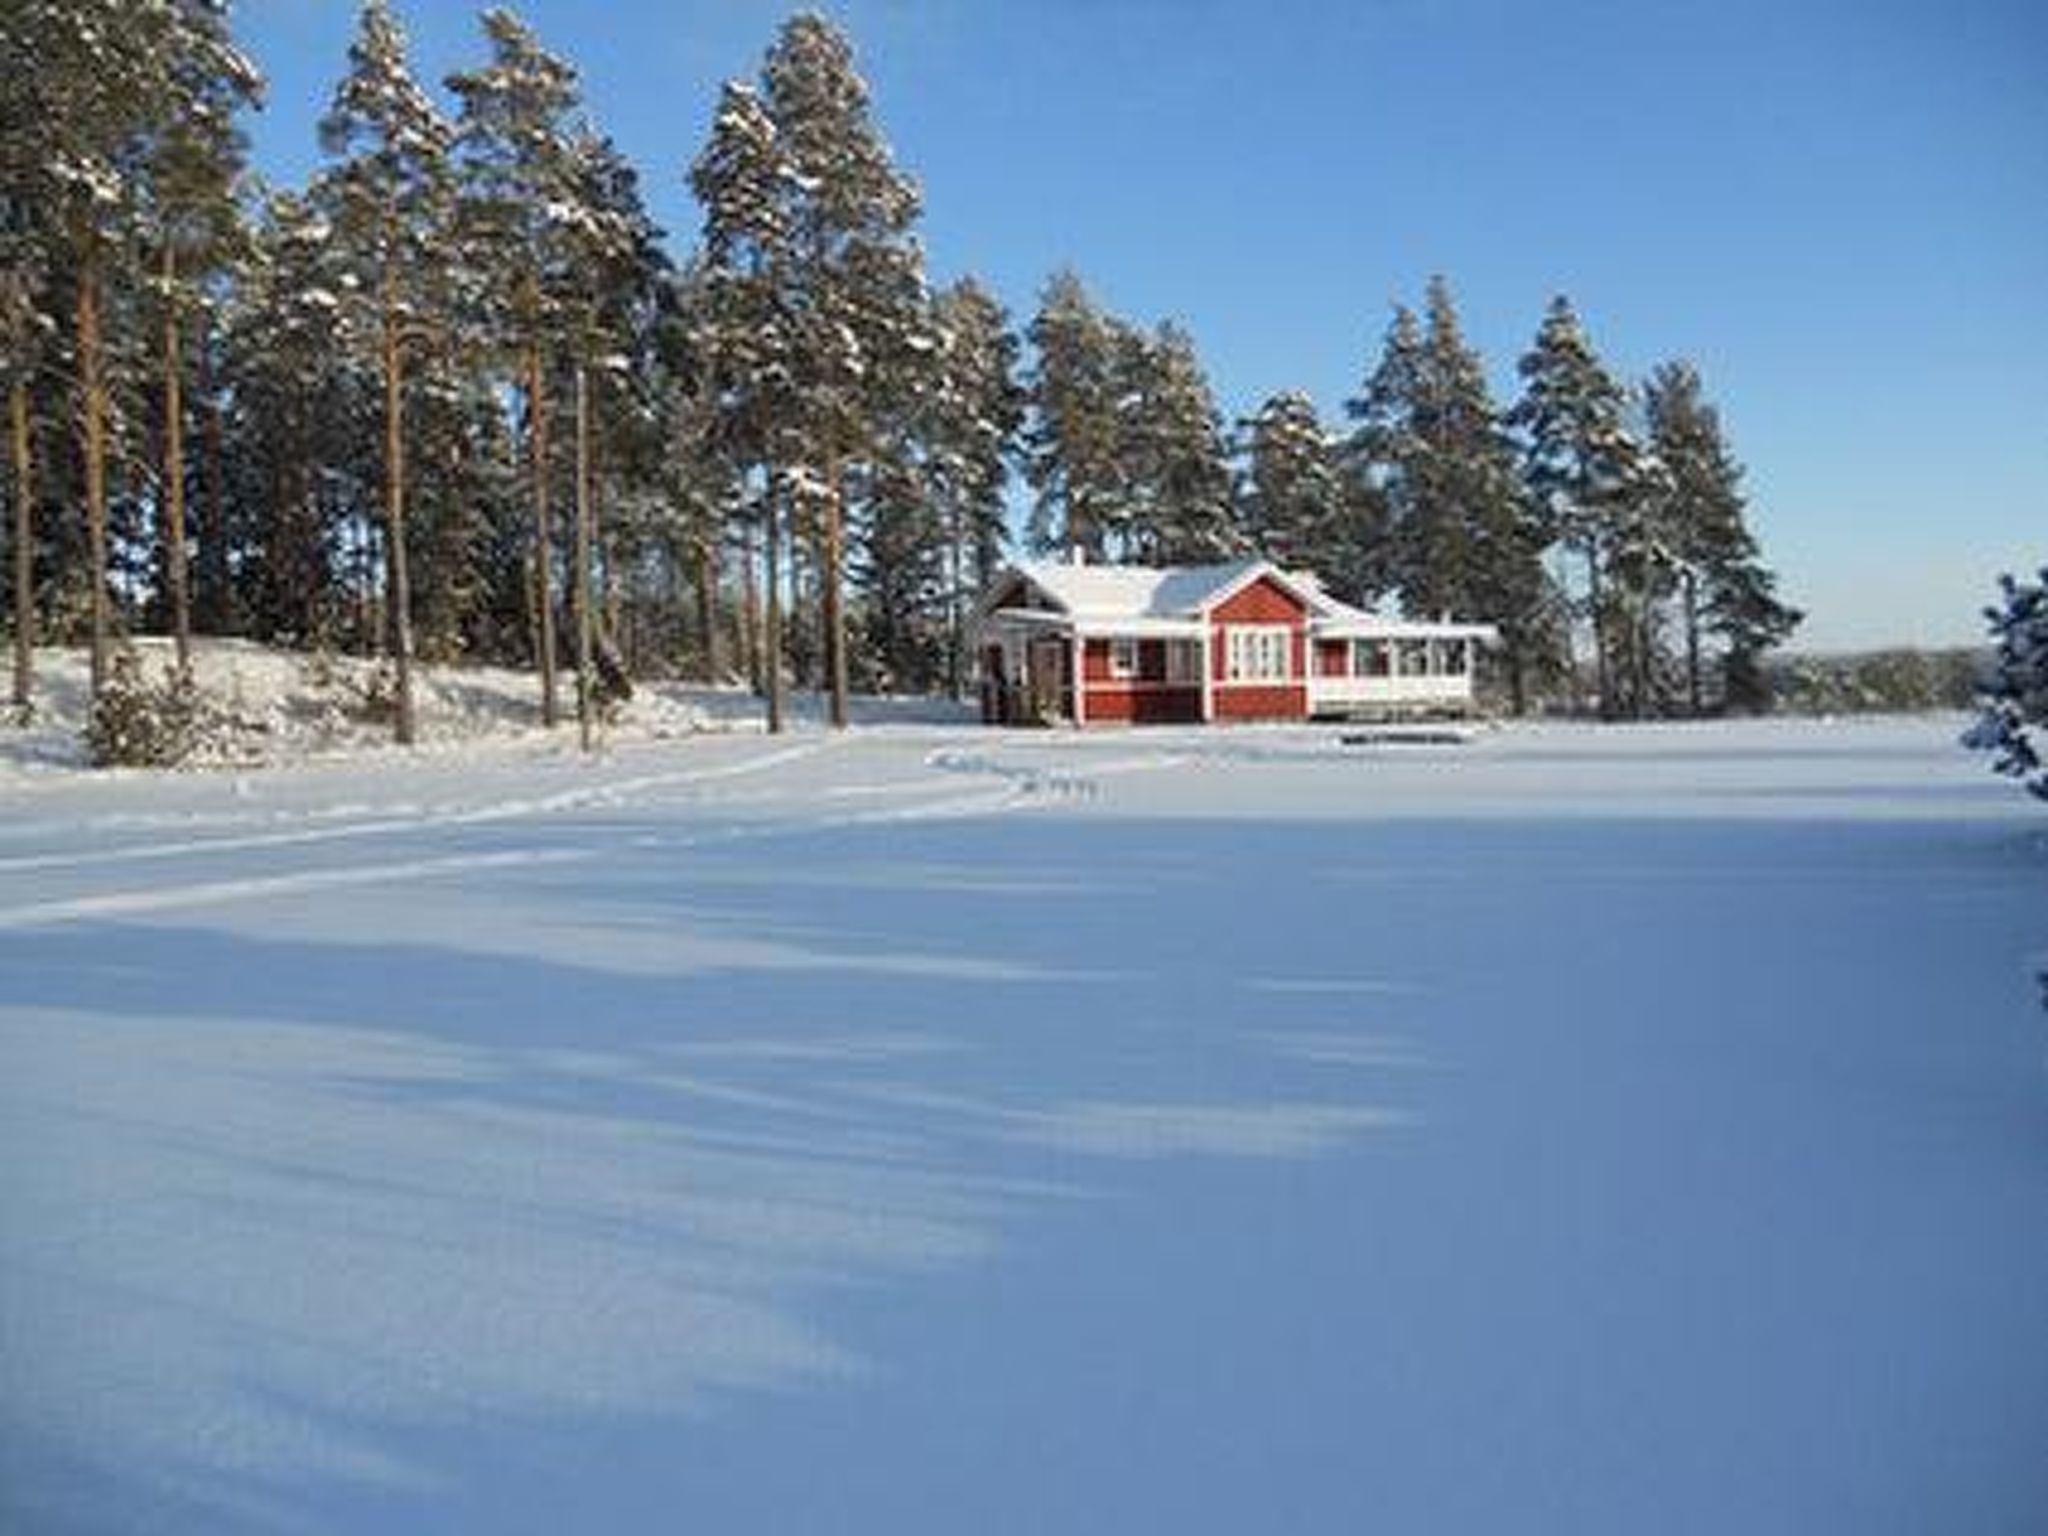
1019	788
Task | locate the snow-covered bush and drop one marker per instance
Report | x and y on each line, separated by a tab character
136	723
376	695
2013	722
610	684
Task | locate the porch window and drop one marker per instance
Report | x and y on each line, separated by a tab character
1371	658
1414	658
1184	661
1258	653
1453	658
1123	658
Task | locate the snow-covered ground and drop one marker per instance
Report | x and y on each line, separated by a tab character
938	1130
278	708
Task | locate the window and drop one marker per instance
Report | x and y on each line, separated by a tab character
1258	653
1183	661
1371	658
1123	658
1414	658
1452	658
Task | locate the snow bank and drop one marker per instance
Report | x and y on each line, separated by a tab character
289	707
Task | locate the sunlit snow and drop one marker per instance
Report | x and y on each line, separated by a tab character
929	1129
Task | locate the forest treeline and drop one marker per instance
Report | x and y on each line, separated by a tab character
455	398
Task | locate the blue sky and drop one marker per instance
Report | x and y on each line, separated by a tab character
1838	211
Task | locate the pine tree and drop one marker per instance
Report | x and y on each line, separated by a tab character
295	430
855	288
1386	452
2013	719
613	273
1488	538
1722	584
191	169
976	415
1073	457
1582	466
1180	507
390	195
1293	494
518	121
743	335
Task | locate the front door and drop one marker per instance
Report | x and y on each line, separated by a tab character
1047	663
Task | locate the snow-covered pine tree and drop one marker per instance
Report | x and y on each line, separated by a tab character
854	287
703	478
1174	445
977	412
1387	453
1073	458
519	116
612	282
389	196
1487	559
745	341
1293	493
1582	465
297	444
1722	584
2012	722
191	167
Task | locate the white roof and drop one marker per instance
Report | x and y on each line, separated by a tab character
1105	592
1172	600
1341	621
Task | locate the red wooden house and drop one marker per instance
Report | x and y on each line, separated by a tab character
1091	644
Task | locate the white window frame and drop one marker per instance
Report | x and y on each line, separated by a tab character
1362	653
1184	662
1453	658
1258	653
1123	657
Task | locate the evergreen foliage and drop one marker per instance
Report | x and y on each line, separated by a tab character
1591	485
2012	723
1725	588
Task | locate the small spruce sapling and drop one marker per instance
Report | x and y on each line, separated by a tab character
2013	718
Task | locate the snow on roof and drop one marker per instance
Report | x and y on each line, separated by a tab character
1158	600
1138	591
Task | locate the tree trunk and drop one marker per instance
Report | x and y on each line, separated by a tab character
543	534
579	590
399	597
174	469
92	388
1646	636
955	603
24	548
707	605
835	595
1593	602
750	613
213	534
771	593
1692	644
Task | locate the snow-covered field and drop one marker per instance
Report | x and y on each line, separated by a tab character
937	1130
